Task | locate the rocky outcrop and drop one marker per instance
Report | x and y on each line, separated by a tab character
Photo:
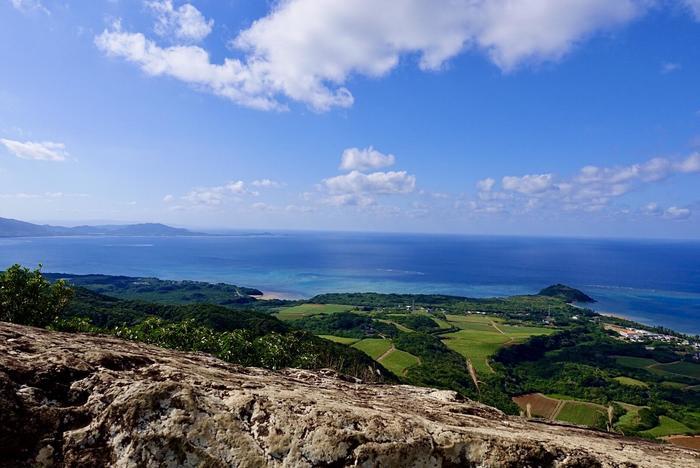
81	400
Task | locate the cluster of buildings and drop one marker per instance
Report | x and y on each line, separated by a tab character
636	335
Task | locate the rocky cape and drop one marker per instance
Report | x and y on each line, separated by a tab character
85	400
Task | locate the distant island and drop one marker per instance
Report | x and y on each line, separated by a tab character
16	228
566	293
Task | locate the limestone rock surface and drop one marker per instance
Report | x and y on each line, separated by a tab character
84	400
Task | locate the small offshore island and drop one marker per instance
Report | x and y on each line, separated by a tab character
538	355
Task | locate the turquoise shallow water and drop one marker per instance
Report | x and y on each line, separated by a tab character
655	282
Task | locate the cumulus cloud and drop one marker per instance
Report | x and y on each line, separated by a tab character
364	159
185	23
217	195
528	184
38	151
592	189
356	182
307	50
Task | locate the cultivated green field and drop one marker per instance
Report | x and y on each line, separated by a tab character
585	414
668	426
683	368
307	310
482	335
374	347
398	361
635	362
339	339
630	381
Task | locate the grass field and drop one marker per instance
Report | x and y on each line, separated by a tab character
629	381
398	325
373	347
339	339
480	336
307	310
677	385
584	414
667	427
683	368
398	361
635	362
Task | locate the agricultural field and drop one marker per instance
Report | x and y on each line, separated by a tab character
398	361
480	336
573	411
540	405
581	413
635	362
629	381
691	442
339	339
667	427
374	347
307	310
688	369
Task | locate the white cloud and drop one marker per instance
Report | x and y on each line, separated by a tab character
364	159
185	22
266	183
307	50
670	67
39	151
27	6
168	198
592	189
486	185
528	184
215	196
355	182
694	7
42	196
675	212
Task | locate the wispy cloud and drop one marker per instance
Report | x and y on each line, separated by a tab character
184	23
670	67
592	189
38	151
27	6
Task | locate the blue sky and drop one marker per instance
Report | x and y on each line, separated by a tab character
527	117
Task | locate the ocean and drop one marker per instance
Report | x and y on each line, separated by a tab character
653	282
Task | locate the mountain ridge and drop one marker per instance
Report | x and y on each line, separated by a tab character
15	228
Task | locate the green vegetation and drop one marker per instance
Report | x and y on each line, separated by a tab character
630	381
566	293
165	291
520	347
347	324
584	414
667	427
26	297
307	310
373	347
398	361
339	339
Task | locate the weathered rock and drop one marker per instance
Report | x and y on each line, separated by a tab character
80	400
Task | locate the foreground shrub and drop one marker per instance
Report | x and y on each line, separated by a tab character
27	298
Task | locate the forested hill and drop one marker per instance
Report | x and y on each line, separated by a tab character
16	228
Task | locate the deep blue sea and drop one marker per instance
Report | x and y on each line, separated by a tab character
654	282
